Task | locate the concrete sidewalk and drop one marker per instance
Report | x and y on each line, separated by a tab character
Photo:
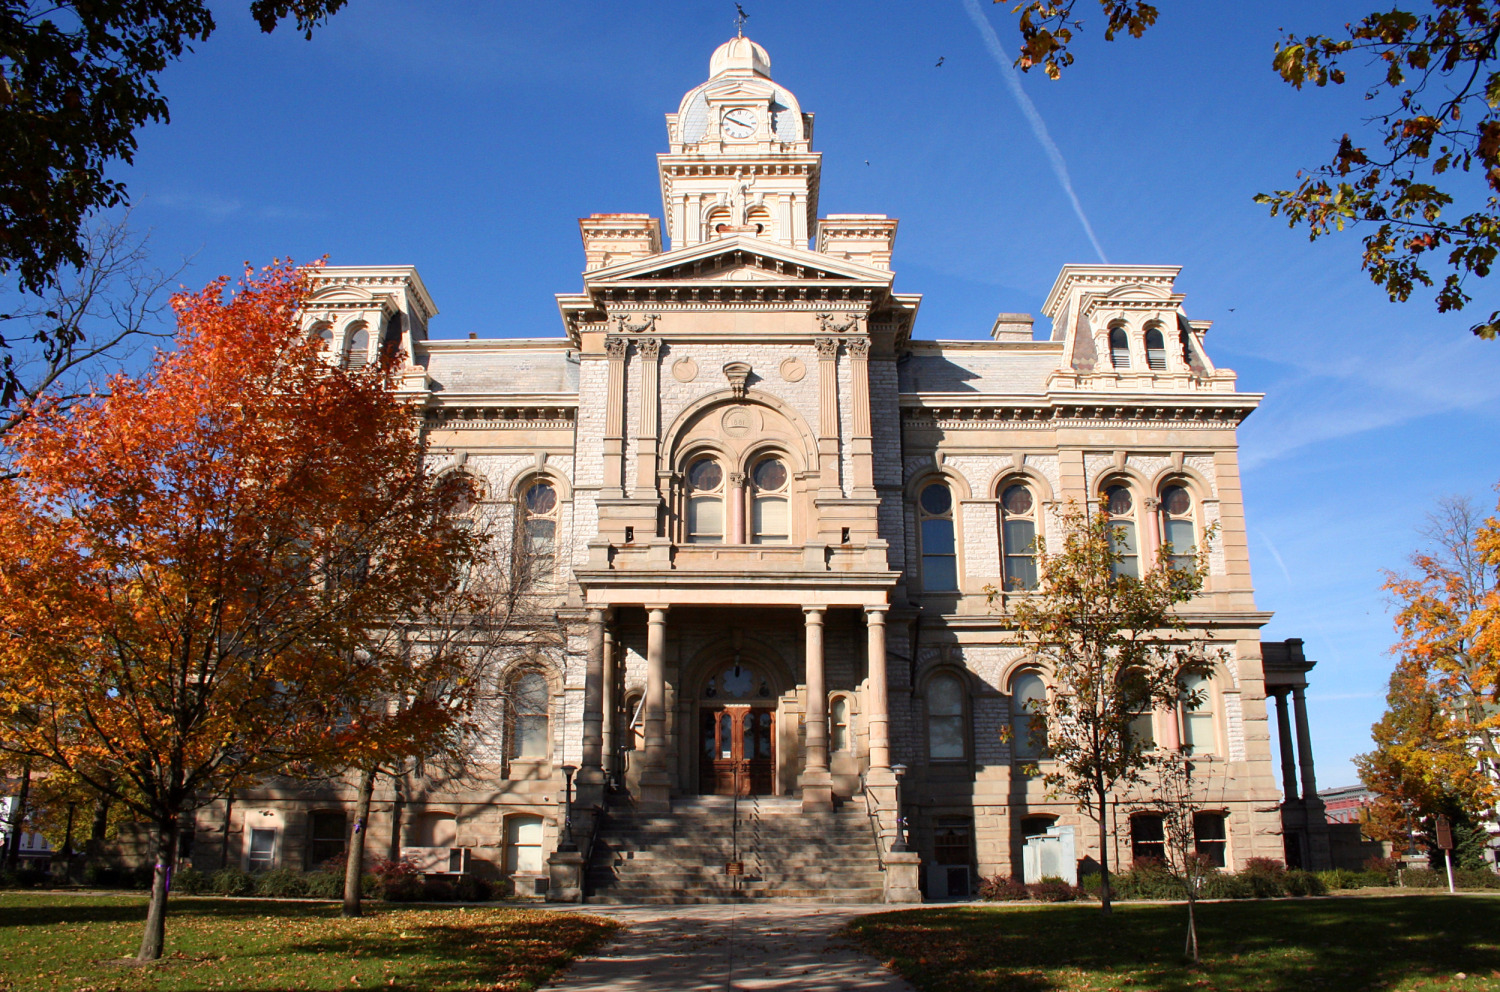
732	946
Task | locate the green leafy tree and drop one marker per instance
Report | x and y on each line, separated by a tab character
1115	647
78	79
1426	188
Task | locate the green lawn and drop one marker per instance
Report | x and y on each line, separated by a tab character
1348	944
58	943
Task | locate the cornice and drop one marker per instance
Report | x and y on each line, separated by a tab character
958	411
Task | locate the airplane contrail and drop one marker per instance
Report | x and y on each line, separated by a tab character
1038	126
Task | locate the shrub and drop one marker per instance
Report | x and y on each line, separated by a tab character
1220	885
400	881
189	881
1303	883
1423	878
1476	878
1373	879
98	875
281	883
437	888
1147	878
471	888
324	884
232	882
1341	878
1266	877
1053	890
1385	866
1002	888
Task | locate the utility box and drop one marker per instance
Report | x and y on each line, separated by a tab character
1050	855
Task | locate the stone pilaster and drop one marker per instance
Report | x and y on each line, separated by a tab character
828	417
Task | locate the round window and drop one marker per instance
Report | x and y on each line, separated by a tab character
1117	498
705	475
541	498
770	475
1017	499
1176	500
936	499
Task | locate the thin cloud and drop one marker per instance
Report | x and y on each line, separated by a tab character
1029	111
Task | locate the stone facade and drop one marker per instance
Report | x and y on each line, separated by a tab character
776	512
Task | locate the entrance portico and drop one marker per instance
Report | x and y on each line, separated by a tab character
739	723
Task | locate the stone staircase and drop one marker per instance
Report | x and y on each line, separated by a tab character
789	855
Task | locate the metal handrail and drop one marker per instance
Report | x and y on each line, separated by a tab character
872	814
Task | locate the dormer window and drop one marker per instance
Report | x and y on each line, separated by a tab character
1156	350
1119	348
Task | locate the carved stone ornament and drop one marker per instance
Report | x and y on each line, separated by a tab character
828	348
684	369
737	480
738	374
858	347
737	422
792	370
828	325
615	347
649	348
622	321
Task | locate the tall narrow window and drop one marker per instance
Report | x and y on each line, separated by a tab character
1121	507
1156	350
329	828
262	850
945	718
1028	717
1018	536
705	505
528	702
358	348
838	723
1177	527
1209	837
1119	348
1148	837
539	509
322	338
1195	700
523	845
1133	690
770	522
939	552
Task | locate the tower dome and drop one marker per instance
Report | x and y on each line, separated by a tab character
740	56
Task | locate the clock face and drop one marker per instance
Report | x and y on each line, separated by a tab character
739	122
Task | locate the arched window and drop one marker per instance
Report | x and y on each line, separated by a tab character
635	722
717	218
760	218
321	337
1177	527
1195	700
539	511
357	351
1122	540
939	552
770	520
528	705
945	718
1156	350
1028	716
1018	536
838	723
1133	691
1119	348
705	504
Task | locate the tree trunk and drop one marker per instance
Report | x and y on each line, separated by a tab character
1192	934
354	863
18	818
68	845
228	821
1105	905
155	936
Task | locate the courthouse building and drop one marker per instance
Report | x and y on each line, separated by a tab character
772	510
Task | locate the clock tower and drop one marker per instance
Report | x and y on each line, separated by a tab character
741	161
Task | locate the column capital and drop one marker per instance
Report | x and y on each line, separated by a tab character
876	613
809	612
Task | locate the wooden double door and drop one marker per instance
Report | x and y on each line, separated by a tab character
737	750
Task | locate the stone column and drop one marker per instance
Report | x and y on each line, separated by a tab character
734	494
610	703
828	416
591	773
1288	756
878	702
656	784
1304	743
816	782
861	440
614	419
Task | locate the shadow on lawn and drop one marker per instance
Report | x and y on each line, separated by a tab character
132	909
1373	943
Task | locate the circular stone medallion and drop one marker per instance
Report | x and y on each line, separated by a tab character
685	370
792	370
738	422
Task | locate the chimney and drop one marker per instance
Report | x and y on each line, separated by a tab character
1012	327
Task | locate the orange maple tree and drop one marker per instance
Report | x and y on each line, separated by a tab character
1438	744
194	567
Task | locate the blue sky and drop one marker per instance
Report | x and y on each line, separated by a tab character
467	138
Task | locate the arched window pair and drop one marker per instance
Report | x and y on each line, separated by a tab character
710	497
1175	525
1155	348
1018	528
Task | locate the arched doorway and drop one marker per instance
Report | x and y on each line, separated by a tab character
737	732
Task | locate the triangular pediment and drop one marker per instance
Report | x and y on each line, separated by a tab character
739	259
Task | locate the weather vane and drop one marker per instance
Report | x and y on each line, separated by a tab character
740	17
